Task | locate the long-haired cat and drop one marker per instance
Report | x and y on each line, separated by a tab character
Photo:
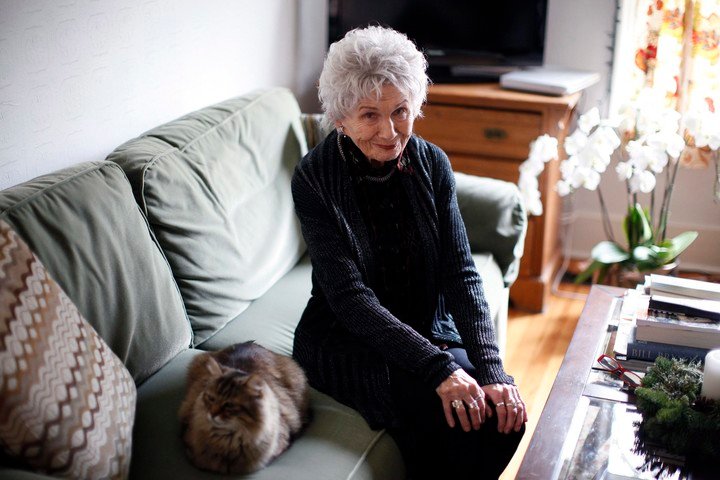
244	405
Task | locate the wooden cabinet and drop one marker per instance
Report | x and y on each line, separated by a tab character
487	131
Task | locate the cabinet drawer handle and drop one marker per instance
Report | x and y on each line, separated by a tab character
495	134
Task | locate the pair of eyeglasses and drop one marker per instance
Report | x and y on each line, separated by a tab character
631	379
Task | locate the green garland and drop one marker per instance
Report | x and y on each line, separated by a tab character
674	414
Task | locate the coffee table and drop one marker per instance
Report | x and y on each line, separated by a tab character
587	427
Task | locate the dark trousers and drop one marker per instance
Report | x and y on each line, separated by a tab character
433	450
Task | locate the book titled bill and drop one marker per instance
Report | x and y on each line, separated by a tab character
660	284
649	351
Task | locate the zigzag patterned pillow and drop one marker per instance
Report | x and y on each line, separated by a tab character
67	403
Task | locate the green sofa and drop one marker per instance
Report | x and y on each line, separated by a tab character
185	239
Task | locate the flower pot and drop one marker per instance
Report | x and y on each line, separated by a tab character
629	276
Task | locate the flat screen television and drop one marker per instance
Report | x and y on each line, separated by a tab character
464	40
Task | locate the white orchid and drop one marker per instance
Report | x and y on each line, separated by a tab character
644	157
575	142
562	188
704	127
544	148
528	185
668	141
532	166
594	159
605	139
591	179
588	120
642	181
624	170
652	137
567	166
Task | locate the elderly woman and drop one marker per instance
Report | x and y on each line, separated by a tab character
397	325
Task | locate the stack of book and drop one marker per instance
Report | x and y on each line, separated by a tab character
682	319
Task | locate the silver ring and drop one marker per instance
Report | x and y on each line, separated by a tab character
457	403
473	405
510	404
500	404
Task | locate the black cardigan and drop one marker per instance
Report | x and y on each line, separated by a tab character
347	342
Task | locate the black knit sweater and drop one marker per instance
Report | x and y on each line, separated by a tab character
349	344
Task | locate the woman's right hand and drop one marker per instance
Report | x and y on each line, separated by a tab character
460	393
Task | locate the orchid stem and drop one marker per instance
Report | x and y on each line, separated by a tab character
607	225
665	209
652	207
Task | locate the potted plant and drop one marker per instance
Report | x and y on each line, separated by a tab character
647	141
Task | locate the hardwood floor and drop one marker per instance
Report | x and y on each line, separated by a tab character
535	349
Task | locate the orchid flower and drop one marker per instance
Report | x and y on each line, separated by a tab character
648	137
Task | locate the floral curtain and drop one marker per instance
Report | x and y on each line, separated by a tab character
683	62
678	55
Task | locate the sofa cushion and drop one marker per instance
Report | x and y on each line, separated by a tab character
336	444
495	220
496	294
215	187
272	318
68	403
491	276
84	225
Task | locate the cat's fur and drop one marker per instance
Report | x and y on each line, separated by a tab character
243	407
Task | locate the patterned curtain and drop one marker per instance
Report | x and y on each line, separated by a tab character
678	53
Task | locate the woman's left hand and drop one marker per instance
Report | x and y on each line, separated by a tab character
509	406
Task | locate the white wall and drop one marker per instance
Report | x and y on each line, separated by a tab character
79	77
312	45
580	35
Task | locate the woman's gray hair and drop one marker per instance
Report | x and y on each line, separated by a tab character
357	66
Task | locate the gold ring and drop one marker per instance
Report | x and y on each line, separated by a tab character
457	403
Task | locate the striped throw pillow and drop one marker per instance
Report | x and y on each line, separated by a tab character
67	403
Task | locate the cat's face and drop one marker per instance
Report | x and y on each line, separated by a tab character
233	399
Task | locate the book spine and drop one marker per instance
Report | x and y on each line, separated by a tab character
681	291
649	351
684	338
660	307
678	321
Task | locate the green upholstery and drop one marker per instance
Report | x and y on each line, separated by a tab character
495	219
215	186
272	318
85	227
337	444
497	295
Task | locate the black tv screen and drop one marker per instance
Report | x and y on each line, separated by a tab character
464	40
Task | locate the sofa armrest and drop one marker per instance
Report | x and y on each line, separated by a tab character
495	220
315	127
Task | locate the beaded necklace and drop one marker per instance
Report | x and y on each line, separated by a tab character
356	162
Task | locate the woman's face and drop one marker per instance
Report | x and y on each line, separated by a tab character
380	127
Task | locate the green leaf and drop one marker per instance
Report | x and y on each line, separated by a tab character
641	253
588	272
680	243
608	253
646	258
662	252
637	226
